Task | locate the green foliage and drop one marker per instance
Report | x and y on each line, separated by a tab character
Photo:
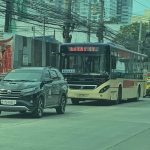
129	35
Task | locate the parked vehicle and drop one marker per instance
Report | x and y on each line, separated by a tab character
33	89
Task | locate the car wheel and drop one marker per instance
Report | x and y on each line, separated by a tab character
38	111
0	112
61	108
75	101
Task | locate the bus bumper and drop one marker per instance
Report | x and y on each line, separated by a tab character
88	95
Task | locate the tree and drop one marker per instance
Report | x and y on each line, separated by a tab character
129	36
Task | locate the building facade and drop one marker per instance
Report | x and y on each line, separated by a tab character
124	11
91	9
110	13
119	10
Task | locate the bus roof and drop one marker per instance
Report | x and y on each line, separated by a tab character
114	45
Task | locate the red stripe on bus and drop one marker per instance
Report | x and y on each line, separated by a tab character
128	83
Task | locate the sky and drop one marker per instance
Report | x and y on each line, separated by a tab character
139	6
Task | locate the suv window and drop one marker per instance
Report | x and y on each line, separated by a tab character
46	74
60	75
53	74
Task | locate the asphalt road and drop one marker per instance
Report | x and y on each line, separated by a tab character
88	126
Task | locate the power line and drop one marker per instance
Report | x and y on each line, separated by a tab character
142	4
54	16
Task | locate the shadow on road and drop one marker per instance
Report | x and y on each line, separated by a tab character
93	103
104	103
28	115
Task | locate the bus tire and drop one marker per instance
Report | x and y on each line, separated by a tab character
119	97
138	93
75	101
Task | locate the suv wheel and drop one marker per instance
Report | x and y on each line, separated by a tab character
61	108
38	112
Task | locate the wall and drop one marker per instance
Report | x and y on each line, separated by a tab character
34	52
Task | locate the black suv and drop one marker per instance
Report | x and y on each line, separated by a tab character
33	89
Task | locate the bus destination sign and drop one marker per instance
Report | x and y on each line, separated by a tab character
82	49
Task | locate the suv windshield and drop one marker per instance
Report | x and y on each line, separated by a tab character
23	75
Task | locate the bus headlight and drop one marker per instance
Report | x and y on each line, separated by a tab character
104	89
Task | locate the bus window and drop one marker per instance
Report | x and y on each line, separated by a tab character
113	62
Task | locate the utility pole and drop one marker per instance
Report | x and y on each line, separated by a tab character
140	35
33	29
88	22
33	47
44	45
8	16
149	25
147	37
101	22
67	24
44	20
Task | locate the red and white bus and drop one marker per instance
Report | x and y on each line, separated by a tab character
97	71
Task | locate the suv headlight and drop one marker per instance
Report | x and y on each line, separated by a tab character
30	91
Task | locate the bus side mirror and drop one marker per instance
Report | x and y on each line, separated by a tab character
113	62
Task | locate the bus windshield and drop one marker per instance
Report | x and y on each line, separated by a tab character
78	63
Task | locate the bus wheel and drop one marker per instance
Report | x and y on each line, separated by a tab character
75	101
119	97
138	93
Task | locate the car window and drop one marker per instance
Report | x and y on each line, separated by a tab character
53	74
46	74
60	75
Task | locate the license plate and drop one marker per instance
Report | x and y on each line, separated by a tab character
8	102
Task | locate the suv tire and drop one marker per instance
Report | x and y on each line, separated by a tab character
61	108
38	112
